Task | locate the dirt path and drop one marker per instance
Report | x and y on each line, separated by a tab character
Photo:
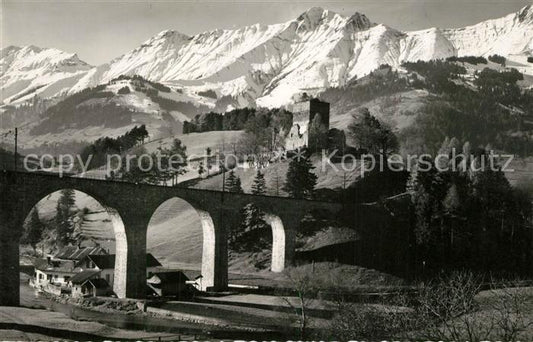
18	323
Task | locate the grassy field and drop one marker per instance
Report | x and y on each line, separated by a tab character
174	233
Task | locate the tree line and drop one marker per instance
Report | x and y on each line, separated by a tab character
250	119
102	147
496	112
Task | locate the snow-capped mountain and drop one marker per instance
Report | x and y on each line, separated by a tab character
25	71
266	65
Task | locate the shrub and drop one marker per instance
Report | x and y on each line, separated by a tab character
124	90
151	93
497	59
208	93
160	87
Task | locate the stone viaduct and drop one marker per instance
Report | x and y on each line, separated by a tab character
130	207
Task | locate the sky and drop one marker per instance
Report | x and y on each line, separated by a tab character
99	31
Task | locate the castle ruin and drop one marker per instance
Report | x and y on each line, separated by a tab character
304	111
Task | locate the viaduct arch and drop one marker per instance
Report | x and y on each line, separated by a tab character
130	207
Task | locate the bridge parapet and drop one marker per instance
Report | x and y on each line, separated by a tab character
130	207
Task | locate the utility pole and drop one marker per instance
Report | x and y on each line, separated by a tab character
16	142
223	177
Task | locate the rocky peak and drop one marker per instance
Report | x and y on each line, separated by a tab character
312	18
360	22
526	14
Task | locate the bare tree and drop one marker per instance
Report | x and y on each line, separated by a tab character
453	308
509	310
306	290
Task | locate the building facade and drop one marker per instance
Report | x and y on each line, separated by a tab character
58	269
303	114
105	265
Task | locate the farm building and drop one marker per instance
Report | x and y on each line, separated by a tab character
105	264
168	284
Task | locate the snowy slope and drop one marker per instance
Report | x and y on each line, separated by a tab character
30	70
510	35
143	110
267	64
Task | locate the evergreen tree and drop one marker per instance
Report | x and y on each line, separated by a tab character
233	183
64	224
259	185
318	134
476	221
301	181
201	169
252	234
372	135
173	162
451	202
34	230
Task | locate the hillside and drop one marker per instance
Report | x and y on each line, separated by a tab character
398	102
339	59
60	102
109	110
266	65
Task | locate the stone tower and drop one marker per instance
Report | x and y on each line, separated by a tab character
303	114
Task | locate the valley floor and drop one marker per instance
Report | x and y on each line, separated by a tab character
24	324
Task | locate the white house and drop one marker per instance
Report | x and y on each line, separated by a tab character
89	284
58	269
57	272
105	264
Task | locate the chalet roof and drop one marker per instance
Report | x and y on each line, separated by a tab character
76	253
81	277
167	277
107	261
192	274
98	283
66	266
40	264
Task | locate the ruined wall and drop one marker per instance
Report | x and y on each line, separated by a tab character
303	114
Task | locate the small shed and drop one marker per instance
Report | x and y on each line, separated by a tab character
168	284
96	287
195	279
77	282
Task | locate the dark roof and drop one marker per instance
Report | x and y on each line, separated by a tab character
107	261
54	265
81	277
40	264
98	283
167	277
103	261
75	253
192	274
151	261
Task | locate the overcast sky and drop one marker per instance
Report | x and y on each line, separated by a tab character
102	30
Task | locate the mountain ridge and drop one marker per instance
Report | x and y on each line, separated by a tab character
266	65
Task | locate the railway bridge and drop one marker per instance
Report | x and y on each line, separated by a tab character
130	207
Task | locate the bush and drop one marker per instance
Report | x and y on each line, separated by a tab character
364	321
124	90
151	93
448	308
208	93
497	59
160	87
